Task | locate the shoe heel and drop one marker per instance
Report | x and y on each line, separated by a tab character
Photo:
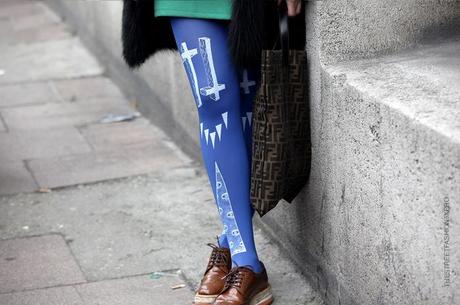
265	297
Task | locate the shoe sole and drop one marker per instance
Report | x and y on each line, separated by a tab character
265	297
204	299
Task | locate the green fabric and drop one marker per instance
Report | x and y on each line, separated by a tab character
212	9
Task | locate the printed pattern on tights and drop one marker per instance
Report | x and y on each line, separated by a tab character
212	90
224	203
202	68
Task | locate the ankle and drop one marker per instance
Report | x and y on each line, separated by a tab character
254	264
222	241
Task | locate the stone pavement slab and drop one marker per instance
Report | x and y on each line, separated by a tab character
145	290
24	145
143	224
103	137
25	36
149	289
19	8
66	295
97	166
59	59
86	88
15	178
36	262
34	15
36	93
55	115
2	125
27	22
125	227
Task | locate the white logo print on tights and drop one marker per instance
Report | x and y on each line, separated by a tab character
213	89
224	202
187	56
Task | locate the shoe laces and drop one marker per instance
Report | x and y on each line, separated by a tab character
233	278
218	256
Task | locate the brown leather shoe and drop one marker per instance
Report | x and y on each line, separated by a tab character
213	280
245	287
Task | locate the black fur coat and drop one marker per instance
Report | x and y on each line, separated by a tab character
253	27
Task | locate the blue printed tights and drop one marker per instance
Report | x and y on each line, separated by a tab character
223	94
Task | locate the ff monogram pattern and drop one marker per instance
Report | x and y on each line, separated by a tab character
281	149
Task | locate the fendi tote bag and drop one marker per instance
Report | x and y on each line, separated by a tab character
281	143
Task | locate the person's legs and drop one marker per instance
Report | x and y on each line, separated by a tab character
215	84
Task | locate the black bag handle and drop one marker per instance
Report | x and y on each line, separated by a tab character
284	31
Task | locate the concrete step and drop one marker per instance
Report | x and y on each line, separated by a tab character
357	29
369	228
423	85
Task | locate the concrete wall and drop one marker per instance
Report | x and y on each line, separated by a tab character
368	228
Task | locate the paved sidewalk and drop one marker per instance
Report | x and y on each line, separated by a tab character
95	212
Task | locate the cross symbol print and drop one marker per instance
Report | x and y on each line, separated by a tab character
187	54
213	89
246	83
187	59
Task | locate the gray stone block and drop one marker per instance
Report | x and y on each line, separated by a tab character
421	84
26	22
22	145
66	295
386	155
54	115
103	137
59	59
36	262
2	125
136	290
19	8
364	29
15	178
86	88
26	94
34	14
29	22
32	35
97	166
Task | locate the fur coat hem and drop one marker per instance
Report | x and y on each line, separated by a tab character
253	27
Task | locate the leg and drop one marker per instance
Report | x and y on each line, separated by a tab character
215	85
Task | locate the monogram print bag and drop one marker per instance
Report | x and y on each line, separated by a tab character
281	143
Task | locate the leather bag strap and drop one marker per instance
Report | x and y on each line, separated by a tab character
284	32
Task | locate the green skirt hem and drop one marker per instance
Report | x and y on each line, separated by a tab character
179	13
